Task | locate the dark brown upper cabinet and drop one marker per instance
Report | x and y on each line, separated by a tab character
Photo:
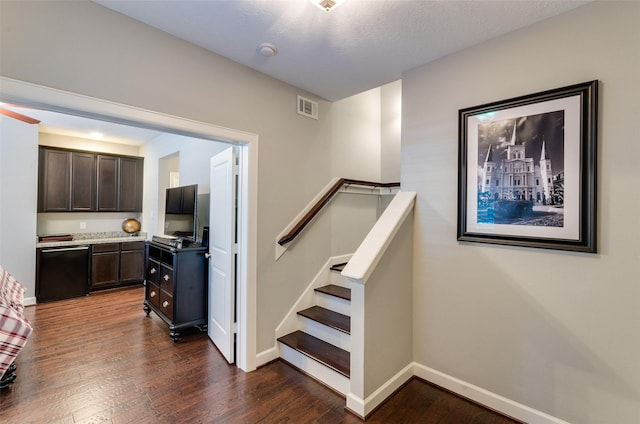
83	180
180	200
130	184
78	181
107	184
54	180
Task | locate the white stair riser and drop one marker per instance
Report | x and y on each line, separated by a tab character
333	303
328	334
336	278
331	378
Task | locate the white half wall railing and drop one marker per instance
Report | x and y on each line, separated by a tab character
380	273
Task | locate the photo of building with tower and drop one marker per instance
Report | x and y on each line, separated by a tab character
519	179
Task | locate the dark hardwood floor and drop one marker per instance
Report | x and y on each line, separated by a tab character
100	359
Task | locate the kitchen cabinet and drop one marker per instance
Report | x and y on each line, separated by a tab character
176	286
105	265
130	184
132	262
65	181
83	177
117	264
180	200
119	184
107	188
54	184
78	181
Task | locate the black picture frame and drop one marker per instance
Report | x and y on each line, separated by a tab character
527	170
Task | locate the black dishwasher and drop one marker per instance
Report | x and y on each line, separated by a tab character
62	272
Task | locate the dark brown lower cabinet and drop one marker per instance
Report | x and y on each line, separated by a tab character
131	262
116	264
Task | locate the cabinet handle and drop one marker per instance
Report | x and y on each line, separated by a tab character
165	304
153	271
166	277
152	294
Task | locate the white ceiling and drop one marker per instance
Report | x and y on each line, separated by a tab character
76	126
360	45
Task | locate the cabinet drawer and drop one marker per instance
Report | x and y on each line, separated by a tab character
106	247
166	278
166	304
153	271
153	294
132	245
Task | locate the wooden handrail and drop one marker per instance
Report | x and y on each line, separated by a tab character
306	219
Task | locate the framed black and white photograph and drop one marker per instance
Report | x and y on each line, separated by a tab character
527	170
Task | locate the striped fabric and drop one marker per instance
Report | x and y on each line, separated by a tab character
14	326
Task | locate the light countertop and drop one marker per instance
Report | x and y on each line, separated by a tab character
83	239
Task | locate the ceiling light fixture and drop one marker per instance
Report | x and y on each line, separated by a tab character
267	49
327	5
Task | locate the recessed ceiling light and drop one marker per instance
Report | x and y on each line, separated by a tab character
327	5
96	135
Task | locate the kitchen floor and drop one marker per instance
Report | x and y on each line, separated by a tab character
101	359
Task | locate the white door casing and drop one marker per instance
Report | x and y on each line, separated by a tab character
222	251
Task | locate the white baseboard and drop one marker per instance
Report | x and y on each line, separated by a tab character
485	397
363	407
29	301
267	356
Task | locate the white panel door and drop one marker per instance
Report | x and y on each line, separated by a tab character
222	224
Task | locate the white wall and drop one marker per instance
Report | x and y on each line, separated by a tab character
355	137
108	56
390	131
18	201
555	331
192	160
80	143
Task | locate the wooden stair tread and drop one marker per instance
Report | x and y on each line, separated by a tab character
338	267
337	291
328	317
327	354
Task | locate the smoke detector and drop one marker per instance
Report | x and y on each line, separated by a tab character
267	49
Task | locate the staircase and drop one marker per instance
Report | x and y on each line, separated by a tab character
320	347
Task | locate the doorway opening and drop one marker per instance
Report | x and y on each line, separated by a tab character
45	98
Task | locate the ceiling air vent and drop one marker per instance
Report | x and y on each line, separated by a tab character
307	107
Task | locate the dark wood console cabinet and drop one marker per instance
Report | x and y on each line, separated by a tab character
176	286
117	264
